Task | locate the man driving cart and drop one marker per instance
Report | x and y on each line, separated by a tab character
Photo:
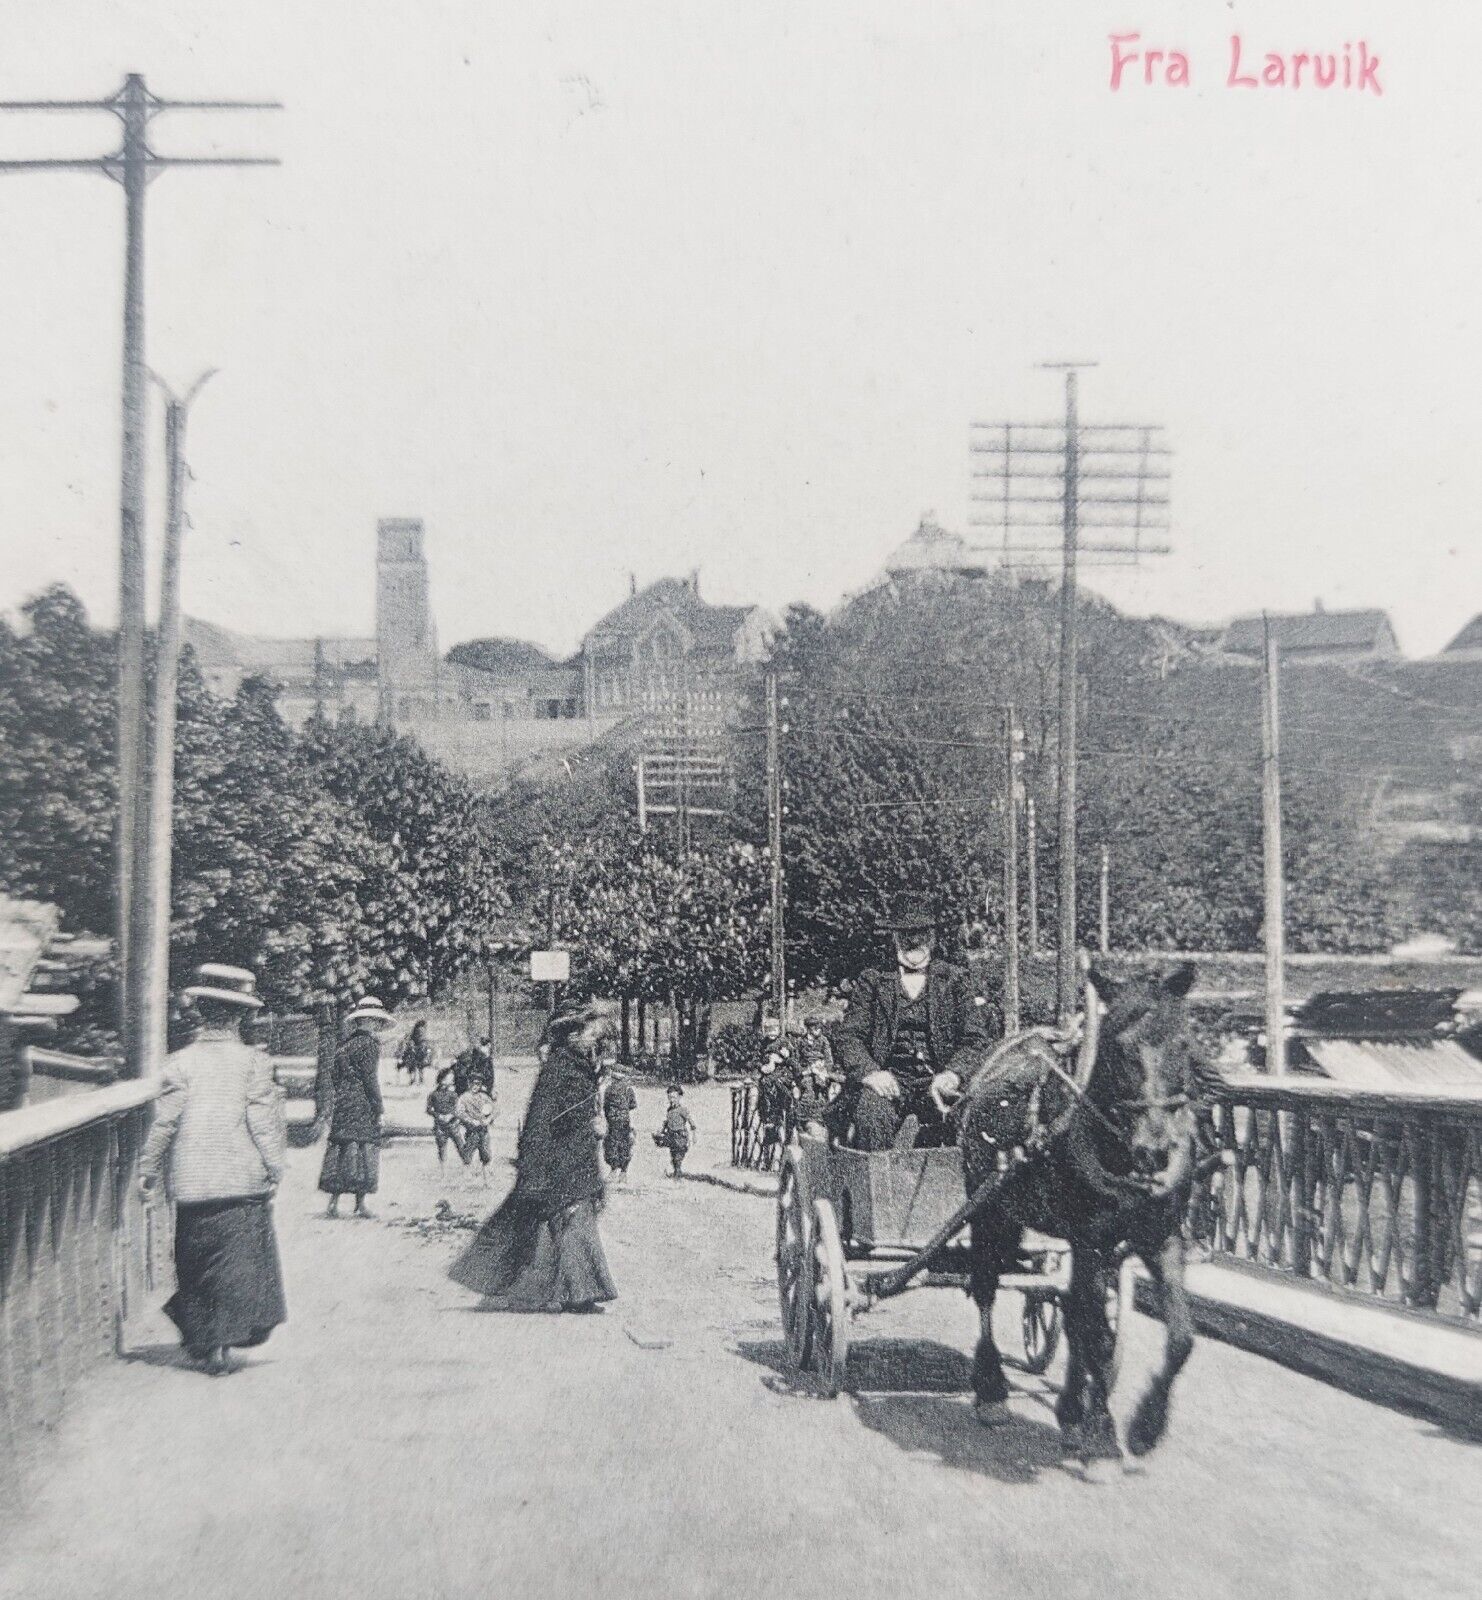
914	1033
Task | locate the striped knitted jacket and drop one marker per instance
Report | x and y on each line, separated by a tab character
218	1130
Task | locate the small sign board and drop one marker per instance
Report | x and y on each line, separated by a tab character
550	966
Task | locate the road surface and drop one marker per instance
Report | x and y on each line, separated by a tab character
393	1442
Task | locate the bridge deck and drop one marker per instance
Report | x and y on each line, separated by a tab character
393	1441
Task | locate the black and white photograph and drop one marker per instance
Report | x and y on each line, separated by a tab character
740	800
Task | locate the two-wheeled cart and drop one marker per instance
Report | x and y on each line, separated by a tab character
855	1227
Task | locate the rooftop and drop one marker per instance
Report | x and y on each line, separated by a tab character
1311	630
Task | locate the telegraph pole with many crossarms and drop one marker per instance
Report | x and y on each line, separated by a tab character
1038	471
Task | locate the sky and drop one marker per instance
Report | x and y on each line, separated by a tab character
598	290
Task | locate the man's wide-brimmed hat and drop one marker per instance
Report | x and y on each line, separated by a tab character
230	986
907	912
372	1009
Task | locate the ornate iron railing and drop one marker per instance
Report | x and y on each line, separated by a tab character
746	1127
1378	1194
79	1249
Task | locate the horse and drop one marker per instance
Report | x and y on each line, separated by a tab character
1109	1169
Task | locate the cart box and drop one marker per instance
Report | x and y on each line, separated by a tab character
892	1198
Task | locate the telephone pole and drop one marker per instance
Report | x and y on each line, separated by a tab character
1031	853
1104	921
150	971
1065	973
774	846
132	166
1275	917
1037	471
1012	756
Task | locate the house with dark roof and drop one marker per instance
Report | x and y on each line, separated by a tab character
664	646
1315	636
1466	646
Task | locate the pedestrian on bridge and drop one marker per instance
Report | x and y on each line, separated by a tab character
350	1104
541	1251
219	1140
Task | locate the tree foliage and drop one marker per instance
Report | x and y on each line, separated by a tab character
334	863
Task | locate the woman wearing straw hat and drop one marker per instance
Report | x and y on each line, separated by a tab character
540	1251
219	1139
350	1103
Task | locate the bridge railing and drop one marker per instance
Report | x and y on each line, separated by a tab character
1377	1194
79	1249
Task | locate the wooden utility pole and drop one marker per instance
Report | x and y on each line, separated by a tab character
1275	917
132	166
150	973
682	793
1031	852
642	796
1035	472
1105	918
1066	996
1012	757
493	1012
774	845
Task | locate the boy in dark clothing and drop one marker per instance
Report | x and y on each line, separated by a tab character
442	1107
678	1128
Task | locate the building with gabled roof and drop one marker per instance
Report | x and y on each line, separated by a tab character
1467	645
1317	635
664	645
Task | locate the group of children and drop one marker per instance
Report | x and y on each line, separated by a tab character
794	1088
675	1134
462	1120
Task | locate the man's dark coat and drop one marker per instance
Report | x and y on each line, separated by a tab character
958	1022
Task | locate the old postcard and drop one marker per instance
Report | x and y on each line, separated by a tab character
740	800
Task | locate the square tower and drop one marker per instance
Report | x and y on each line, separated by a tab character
406	640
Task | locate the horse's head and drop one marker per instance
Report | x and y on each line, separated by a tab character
1142	1079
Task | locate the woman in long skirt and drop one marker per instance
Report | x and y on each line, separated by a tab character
350	1103
541	1251
219	1139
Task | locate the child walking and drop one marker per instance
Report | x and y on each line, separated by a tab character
679	1127
442	1107
476	1115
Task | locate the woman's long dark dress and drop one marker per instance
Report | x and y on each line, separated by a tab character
351	1100
540	1251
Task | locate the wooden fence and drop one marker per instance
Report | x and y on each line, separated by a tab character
79	1250
1376	1194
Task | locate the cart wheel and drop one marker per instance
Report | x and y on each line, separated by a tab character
794	1265
1121	1288
830	1300
1041	1326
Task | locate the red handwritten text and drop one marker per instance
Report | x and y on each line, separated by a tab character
1354	67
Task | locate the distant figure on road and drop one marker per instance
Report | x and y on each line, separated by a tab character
775	1087
219	1140
415	1058
814	1047
476	1118
350	1103
475	1065
678	1130
541	1251
442	1107
812	1103
618	1105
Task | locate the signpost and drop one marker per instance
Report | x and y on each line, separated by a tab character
551	967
